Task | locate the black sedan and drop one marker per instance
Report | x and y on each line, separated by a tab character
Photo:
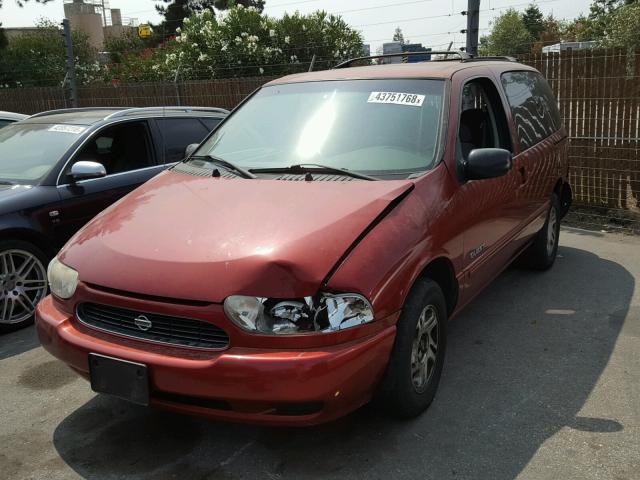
59	169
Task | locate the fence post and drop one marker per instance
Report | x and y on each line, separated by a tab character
177	87
71	64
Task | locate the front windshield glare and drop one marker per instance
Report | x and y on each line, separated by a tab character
28	151
370	126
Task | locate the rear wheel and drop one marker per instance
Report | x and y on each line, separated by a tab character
23	283
541	254
415	366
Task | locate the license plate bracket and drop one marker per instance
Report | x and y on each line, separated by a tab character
120	378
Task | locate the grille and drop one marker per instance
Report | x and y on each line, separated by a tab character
178	331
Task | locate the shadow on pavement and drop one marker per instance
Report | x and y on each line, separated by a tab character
15	343
521	361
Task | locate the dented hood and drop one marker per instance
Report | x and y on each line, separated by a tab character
187	237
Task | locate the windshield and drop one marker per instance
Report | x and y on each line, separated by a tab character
370	126
28	151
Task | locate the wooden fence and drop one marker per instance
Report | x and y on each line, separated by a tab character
598	93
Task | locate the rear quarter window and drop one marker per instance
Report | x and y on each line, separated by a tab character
534	107
177	133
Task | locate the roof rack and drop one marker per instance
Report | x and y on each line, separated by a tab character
70	110
480	59
132	111
125	111
462	56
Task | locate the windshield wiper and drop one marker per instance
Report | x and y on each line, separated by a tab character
314	167
241	172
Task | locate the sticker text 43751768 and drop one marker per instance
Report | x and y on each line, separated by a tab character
397	98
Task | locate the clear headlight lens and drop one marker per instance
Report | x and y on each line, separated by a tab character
322	314
63	280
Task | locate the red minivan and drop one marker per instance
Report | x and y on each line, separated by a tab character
307	256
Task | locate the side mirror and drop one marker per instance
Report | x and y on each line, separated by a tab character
190	149
487	163
84	170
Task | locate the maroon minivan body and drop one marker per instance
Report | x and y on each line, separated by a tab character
294	295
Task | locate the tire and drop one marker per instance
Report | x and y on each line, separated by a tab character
406	389
541	254
23	283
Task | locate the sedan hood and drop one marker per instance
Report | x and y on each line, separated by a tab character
186	237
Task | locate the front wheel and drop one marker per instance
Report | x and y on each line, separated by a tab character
23	283
415	366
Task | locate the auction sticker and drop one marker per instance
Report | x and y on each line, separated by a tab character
75	129
397	98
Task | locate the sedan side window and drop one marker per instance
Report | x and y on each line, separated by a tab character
119	148
177	133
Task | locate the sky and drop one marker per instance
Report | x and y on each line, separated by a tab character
434	23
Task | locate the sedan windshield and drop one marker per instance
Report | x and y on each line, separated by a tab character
371	126
28	151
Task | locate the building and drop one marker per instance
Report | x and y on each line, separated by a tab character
559	47
97	20
399	47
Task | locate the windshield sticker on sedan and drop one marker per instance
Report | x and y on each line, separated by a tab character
397	98
75	129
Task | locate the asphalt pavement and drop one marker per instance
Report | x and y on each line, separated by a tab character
541	381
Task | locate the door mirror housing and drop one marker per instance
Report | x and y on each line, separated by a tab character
190	149
487	163
84	170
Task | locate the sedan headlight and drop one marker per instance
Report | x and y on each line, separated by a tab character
323	314
63	280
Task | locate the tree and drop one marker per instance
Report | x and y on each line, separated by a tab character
3	38
398	36
175	11
622	27
552	32
244	42
38	58
509	36
533	20
22	2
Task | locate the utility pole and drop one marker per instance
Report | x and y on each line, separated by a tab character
473	26
71	64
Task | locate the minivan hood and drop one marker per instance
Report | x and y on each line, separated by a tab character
185	237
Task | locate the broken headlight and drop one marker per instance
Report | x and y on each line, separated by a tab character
322	314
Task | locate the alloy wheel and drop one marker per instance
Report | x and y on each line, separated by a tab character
425	348
23	283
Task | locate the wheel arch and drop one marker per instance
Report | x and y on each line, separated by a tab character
442	271
563	190
31	236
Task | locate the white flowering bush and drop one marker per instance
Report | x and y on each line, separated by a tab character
242	42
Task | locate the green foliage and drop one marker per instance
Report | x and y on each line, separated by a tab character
622	28
119	47
39	58
177	10
509	36
3	38
534	21
243	42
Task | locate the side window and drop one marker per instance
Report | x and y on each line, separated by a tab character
210	122
533	105
120	148
177	133
483	123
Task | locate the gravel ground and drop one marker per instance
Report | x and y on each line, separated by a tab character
541	381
